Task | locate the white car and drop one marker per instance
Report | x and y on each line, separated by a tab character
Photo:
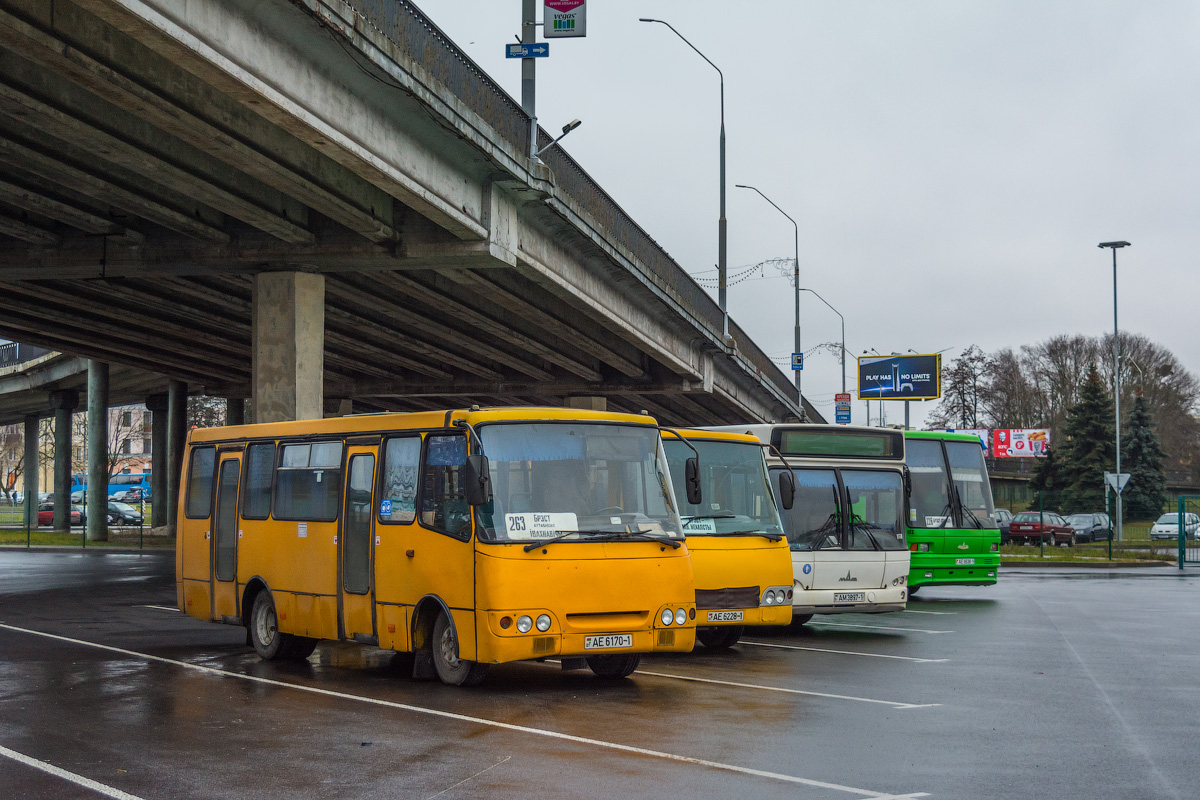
1167	526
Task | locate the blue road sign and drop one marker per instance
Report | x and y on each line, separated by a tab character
797	362
539	50
842	417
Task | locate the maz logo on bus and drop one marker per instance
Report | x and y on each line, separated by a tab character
848	578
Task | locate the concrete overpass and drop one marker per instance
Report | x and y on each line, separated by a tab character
324	206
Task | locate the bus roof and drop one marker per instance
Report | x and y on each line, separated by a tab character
946	435
417	420
714	435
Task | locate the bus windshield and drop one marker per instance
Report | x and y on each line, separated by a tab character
599	481
971	481
736	497
930	505
818	520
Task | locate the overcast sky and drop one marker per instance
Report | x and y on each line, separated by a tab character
952	165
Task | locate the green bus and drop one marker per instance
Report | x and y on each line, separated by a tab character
952	531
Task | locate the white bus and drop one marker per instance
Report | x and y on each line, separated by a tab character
846	526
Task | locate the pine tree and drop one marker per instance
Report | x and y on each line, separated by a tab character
1090	450
1146	493
1047	480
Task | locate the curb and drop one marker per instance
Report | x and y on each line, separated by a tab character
1088	564
95	549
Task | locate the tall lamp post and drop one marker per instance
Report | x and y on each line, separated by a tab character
834	310
721	238
796	280
1115	246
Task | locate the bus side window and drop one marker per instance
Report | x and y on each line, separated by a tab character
260	469
443	506
200	483
398	492
309	481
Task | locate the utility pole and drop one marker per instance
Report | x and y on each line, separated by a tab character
529	72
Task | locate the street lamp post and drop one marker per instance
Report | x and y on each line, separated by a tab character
796	279
721	238
1115	246
834	310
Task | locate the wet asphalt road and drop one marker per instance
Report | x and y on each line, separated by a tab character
1053	684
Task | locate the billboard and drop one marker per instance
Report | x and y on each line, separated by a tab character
1020	442
985	436
896	377
564	18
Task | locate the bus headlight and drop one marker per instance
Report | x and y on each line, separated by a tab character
923	548
543	623
769	597
668	616
680	616
995	547
524	623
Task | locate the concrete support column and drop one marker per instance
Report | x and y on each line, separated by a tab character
97	462
176	438
288	321
235	411
156	404
588	403
32	470
63	402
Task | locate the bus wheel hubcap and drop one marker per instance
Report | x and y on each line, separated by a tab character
449	654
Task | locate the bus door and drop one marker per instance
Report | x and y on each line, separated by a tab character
225	535
356	573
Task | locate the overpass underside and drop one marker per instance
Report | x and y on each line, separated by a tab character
186	185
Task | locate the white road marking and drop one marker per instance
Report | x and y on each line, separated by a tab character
163	608
939	613
508	726
874	627
473	777
892	703
78	780
846	652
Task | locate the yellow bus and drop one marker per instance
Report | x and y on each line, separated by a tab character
740	557
466	537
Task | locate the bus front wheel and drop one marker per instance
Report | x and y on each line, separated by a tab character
720	638
799	619
269	642
452	670
613	666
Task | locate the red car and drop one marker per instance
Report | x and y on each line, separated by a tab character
1027	527
46	514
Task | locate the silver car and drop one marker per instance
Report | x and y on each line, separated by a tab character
1167	526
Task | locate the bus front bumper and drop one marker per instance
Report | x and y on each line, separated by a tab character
826	601
945	570
763	615
504	649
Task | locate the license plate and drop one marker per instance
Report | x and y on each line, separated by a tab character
849	597
726	616
607	641
964	562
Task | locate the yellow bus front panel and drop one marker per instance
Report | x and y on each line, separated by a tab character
732	576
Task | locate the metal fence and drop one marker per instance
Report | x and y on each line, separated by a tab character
407	27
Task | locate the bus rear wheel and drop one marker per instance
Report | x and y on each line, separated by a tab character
613	666
913	590
720	638
452	670
798	620
269	642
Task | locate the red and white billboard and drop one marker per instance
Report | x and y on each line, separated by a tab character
1020	442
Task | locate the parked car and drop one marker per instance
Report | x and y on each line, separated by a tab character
130	495
1167	526
45	515
123	514
1091	527
1003	519
1027	527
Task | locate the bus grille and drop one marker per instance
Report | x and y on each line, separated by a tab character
737	597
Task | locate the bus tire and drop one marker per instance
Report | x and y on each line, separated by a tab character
269	642
798	620
301	648
613	667
452	670
720	638
912	590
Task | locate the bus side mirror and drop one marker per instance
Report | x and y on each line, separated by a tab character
787	489
477	480
691	473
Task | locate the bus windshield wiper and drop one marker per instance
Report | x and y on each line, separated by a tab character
774	537
643	535
962	509
561	535
860	524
